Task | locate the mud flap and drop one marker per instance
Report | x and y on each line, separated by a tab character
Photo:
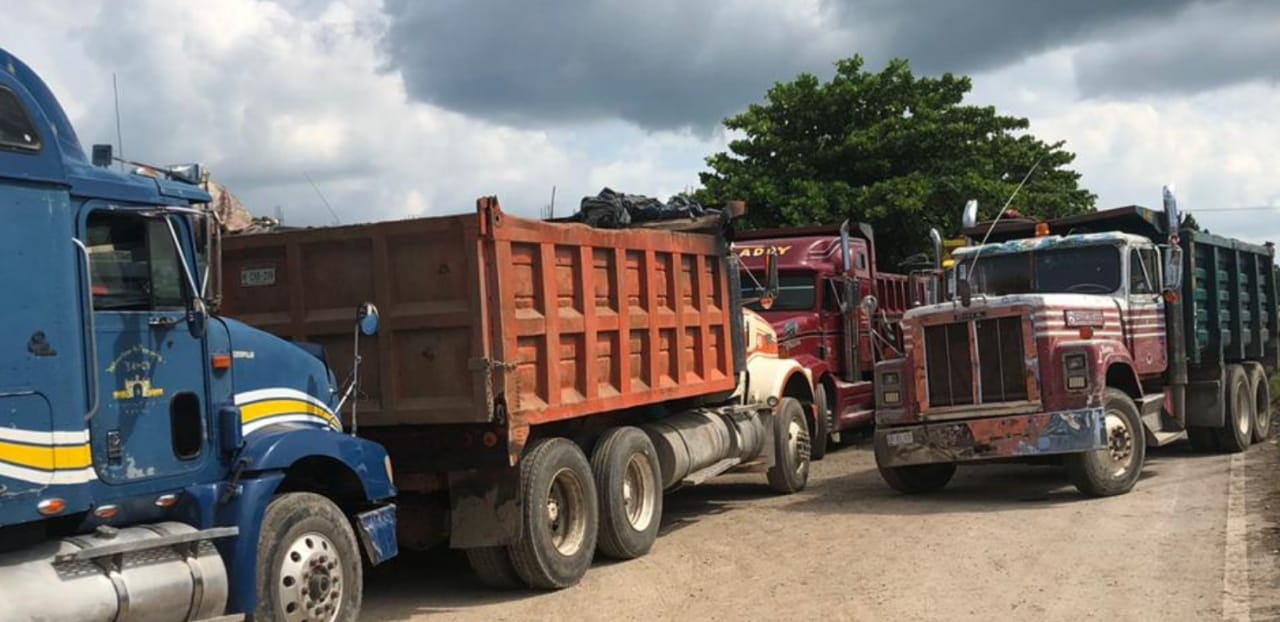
484	508
378	533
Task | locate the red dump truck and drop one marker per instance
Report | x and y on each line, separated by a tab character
538	385
1089	337
836	313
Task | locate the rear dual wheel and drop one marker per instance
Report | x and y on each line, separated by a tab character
1246	412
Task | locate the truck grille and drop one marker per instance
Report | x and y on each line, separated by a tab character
1000	363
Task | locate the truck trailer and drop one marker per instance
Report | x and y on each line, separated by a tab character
1090	337
157	461
539	385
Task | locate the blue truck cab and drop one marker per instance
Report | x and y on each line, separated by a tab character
157	461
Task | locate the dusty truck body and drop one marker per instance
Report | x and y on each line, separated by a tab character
512	350
824	275
1090	337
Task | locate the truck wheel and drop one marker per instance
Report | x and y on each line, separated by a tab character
1237	430
1115	469
790	471
1261	401
308	566
492	565
629	485
560	515
822	424
918	478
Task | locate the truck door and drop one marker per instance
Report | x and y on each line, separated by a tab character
151	364
1143	316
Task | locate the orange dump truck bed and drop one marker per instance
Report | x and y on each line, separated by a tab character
496	320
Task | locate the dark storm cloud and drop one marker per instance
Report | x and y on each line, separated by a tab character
1210	45
671	63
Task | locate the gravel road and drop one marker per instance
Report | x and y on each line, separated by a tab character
1197	539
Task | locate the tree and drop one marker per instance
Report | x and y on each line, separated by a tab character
900	152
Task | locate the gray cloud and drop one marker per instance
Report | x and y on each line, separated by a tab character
670	63
1208	46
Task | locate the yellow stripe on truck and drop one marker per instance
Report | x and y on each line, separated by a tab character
45	457
271	408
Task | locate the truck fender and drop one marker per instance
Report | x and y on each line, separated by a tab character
778	378
283	448
816	366
1115	369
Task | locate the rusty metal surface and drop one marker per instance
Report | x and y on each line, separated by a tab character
489	318
994	437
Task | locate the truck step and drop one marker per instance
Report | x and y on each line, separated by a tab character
1162	438
697	477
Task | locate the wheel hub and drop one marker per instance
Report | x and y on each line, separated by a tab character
638	490
566	522
1119	443
311	579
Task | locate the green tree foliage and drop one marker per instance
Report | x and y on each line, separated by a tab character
895	150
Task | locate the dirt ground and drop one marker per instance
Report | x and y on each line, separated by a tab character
1197	539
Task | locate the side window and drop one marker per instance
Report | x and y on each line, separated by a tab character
16	129
862	261
134	263
1143	277
1151	257
830	296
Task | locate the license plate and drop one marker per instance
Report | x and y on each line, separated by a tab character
900	438
257	277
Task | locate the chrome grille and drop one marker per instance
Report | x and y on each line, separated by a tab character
1000	362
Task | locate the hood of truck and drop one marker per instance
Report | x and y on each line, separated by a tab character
278	382
1038	302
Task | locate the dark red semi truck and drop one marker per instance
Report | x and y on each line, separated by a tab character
835	313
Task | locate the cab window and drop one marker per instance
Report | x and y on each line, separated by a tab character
1144	276
134	264
16	129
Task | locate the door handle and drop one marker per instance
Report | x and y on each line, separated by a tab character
162	321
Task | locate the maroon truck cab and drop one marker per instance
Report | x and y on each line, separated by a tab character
835	313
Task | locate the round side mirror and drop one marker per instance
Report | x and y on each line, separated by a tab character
869	305
367	319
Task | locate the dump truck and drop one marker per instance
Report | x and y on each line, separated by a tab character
1089	337
157	461
539	385
836	313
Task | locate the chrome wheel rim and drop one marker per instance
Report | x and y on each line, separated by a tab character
1242	417
566	520
798	445
311	580
638	488
1120	439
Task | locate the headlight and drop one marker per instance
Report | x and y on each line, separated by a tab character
889	379
1075	371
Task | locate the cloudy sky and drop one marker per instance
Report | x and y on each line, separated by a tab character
399	108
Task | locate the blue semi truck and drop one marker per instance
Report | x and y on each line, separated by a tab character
157	461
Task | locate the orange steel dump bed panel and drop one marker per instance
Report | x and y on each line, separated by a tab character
556	320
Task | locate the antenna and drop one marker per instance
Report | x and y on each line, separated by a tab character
115	90
336	220
978	253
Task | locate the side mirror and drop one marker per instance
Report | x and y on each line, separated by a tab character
869	304
970	216
1173	256
102	156
771	279
367	319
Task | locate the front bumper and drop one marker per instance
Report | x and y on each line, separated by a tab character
1037	434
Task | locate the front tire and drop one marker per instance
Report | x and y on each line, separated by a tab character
790	471
308	565
629	485
918	478
1237	429
560	515
1115	469
1261	401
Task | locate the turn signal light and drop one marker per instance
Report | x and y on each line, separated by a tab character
1042	229
167	501
221	362
1171	297
50	507
1086	332
107	511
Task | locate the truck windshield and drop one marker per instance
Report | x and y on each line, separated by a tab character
796	292
1079	270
